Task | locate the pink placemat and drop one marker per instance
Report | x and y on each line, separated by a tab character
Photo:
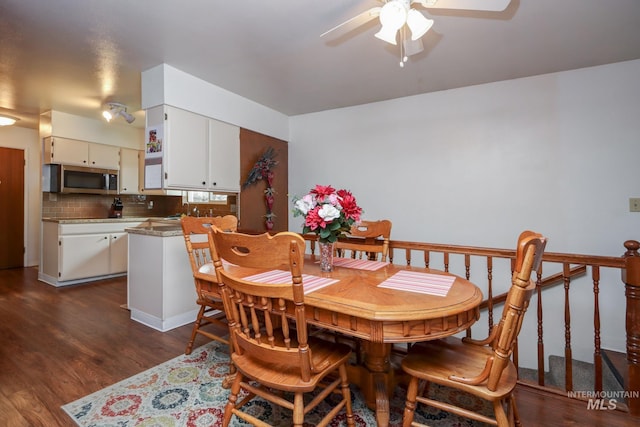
359	264
424	283
309	283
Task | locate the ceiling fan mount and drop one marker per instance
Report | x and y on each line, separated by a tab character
400	17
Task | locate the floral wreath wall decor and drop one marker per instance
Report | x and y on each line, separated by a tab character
263	169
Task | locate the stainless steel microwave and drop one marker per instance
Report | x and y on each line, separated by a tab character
79	179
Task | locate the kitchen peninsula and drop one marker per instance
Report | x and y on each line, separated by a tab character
161	293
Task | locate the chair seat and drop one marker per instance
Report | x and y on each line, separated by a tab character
435	361
208	268
325	354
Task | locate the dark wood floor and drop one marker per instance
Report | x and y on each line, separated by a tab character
59	344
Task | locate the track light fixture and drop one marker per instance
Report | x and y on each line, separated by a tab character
115	109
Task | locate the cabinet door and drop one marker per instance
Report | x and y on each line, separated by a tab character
186	143
104	156
224	163
69	152
83	255
118	253
129	171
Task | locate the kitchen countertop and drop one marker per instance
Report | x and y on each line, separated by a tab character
151	226
99	220
158	230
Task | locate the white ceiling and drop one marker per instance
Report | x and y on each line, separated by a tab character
75	55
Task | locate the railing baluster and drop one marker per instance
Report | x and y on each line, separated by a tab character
467	266
490	291
631	278
540	328
597	356
568	374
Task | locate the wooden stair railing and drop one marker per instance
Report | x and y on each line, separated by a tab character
569	267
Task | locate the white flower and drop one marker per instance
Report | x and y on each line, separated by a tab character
305	204
328	212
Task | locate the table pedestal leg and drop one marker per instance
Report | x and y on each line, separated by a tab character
375	379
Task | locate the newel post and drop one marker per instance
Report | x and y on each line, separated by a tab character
631	278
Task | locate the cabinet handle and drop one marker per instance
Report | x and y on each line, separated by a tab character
204	183
215	183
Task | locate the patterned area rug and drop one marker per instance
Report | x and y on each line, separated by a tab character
187	391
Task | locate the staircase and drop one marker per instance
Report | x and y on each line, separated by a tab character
613	373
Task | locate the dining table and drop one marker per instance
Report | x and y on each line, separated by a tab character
383	304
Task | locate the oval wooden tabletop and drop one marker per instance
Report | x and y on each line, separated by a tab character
357	293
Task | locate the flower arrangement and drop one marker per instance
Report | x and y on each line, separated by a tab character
327	212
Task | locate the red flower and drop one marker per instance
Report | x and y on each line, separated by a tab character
322	191
350	208
313	220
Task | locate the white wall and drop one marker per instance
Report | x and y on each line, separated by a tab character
27	140
65	125
556	153
165	84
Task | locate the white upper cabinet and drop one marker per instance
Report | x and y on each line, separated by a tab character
67	151
128	180
104	156
224	156
188	151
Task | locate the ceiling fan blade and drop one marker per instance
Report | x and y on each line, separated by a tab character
488	5
356	21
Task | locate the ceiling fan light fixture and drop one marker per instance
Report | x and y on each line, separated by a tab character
418	24
412	47
393	16
7	120
388	35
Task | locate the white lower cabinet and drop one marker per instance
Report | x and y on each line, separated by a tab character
82	252
83	256
118	252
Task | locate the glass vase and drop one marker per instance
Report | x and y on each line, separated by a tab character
326	256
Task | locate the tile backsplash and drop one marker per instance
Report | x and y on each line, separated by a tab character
58	205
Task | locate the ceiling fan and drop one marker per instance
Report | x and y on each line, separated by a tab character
399	17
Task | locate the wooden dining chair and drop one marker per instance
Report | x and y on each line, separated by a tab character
368	238
272	351
482	368
198	241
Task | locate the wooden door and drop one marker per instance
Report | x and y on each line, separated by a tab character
11	208
252	197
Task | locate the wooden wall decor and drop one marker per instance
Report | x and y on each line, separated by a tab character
253	207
